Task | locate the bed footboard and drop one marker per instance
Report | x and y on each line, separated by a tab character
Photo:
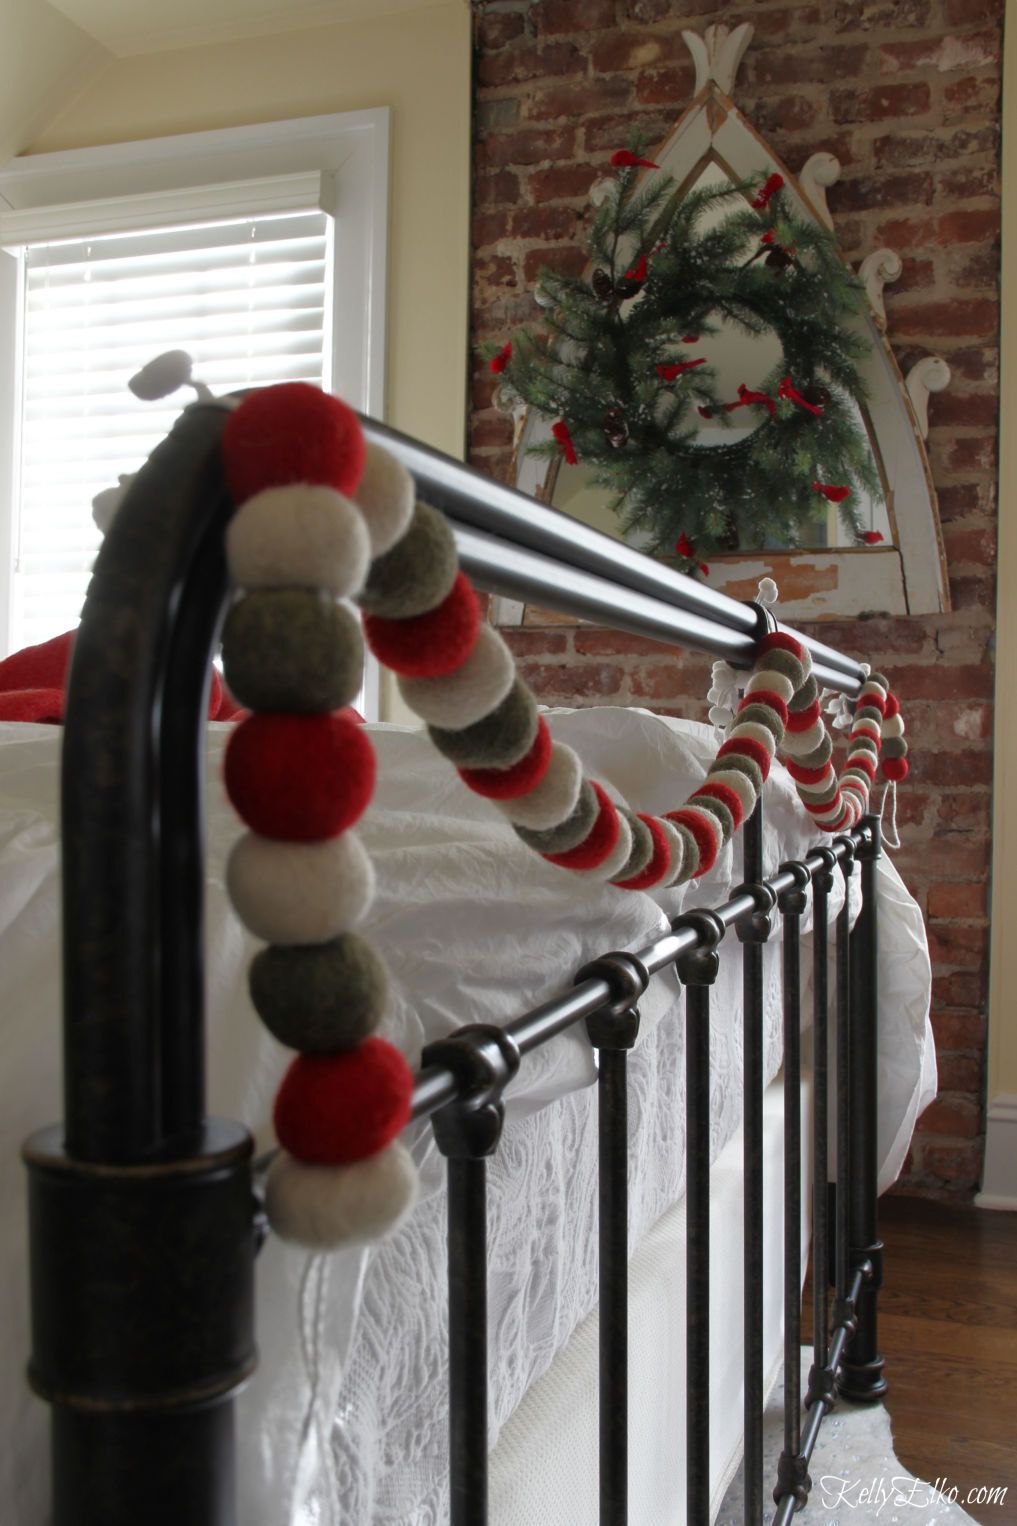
144	1223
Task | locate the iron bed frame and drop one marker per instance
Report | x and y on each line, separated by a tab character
144	1221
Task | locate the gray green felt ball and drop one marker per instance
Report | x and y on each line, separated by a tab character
568	833
320	998
417	574
497	740
291	649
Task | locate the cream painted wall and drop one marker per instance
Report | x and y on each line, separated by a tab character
1002	1073
417	64
45	60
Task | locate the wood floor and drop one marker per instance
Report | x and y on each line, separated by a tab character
948	1333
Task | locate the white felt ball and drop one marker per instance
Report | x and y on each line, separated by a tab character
775	683
325	1207
753	731
739	782
385	496
470	692
299	892
798	743
676	843
618	857
301	536
554	798
893	726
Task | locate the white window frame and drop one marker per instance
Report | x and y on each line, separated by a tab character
339	162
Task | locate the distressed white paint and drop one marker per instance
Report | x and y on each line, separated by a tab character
818	174
877	270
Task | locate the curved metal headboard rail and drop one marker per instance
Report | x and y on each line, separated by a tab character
132	801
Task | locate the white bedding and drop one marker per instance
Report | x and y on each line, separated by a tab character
474	927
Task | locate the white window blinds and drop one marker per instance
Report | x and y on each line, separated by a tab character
249	300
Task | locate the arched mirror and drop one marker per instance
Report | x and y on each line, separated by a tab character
891	560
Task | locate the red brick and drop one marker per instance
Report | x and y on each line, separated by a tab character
972	453
970	12
786	66
972	227
665	681
963	316
963	988
532	145
575	99
560	259
945	54
954	768
958	945
791	113
957	901
538	643
635	50
490	228
595	642
957	500
973	593
570	680
958	1030
967	410
913	188
657	87
976	94
544	223
518	64
960	1073
494	31
958	1164
564	182
956	1116
491	429
964	545
882	103
966	811
938	681
968	182
500	189
496	270
648	10
554	16
863	15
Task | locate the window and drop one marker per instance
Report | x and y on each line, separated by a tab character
275	276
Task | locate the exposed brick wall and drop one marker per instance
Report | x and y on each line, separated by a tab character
906	93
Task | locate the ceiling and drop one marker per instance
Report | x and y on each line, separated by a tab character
144	26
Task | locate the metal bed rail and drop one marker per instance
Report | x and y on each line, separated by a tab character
141	1351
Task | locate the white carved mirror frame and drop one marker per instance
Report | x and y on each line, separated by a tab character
907	576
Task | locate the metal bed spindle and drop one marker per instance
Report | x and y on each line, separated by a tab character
141	1353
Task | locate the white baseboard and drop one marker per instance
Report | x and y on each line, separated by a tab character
999	1181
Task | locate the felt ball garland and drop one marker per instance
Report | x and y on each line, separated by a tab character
323	516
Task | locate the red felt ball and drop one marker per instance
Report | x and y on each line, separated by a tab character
749	748
43	706
299	777
778	641
892	707
727	796
510	783
826	805
336	1108
601	839
292	433
705	829
659	864
895	768
432	644
809	775
766	697
864	761
801	720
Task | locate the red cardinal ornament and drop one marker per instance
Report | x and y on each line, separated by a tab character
833	494
501	360
670	372
561	434
623	158
762	196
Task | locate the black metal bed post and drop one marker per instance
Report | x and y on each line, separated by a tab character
613	1031
861	1375
820	1380
141	1351
753	932
698	972
792	1468
483	1059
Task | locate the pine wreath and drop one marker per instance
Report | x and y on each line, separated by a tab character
619	374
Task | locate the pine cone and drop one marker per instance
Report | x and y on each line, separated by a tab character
616	427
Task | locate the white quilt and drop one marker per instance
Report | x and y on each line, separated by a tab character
343	1419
